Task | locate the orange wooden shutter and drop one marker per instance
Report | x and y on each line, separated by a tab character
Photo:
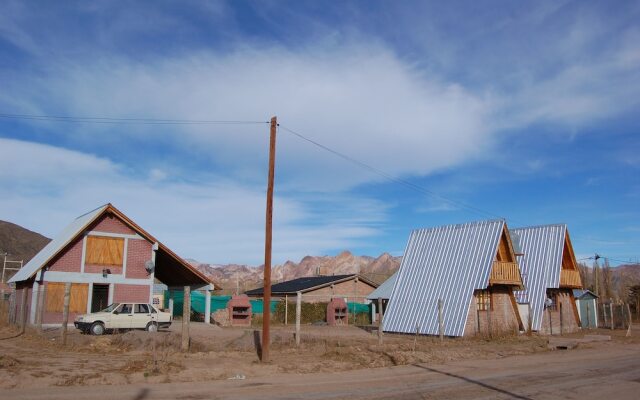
79	297
104	251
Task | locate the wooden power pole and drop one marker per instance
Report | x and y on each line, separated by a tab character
266	308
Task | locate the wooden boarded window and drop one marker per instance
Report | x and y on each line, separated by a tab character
105	251
77	302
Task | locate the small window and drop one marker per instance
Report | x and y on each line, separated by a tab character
156	301
124	309
142	309
484	300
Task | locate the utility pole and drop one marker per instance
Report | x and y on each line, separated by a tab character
596	272
266	308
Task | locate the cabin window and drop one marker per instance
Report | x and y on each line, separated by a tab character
484	300
105	251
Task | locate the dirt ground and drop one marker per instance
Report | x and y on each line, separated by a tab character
33	361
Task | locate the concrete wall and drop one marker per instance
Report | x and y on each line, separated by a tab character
569	321
502	318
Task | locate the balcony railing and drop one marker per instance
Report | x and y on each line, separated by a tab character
505	273
570	278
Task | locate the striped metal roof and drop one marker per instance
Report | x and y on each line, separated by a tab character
384	290
447	263
540	265
59	242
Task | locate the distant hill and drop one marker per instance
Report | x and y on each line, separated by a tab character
19	243
247	277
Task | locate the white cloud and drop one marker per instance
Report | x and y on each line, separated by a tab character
360	99
213	221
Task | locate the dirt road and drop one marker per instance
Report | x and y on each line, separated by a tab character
608	371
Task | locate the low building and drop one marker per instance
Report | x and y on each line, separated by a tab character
587	304
316	289
550	273
107	258
383	292
468	271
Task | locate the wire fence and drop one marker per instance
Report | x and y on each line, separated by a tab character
615	315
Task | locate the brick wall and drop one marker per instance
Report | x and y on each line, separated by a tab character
111	225
344	288
131	293
70	260
138	253
502	318
569	321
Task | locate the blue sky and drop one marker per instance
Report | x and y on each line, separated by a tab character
523	110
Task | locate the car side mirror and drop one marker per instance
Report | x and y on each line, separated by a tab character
116	312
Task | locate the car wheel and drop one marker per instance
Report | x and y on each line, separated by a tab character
152	327
97	328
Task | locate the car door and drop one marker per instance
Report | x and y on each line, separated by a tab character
122	316
141	316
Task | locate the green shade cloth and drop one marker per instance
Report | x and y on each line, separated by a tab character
198	302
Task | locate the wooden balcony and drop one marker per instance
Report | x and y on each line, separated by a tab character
570	278
505	273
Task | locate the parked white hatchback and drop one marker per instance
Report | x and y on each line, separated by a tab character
123	316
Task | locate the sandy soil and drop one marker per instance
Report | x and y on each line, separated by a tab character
219	354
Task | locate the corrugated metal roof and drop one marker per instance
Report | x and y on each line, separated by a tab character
447	263
57	244
302	284
540	265
384	290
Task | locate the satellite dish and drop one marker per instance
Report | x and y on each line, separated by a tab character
149	266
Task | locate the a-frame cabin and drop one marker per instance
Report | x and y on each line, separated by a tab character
550	273
470	269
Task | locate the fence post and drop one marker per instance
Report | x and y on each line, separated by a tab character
23	310
381	319
629	315
65	311
611	314
298	315
550	322
171	307
440	320
286	309
186	317
604	315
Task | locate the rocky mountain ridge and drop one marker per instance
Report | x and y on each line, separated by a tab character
234	277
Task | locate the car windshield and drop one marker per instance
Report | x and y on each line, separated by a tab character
110	308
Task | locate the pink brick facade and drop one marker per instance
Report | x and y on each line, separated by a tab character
569	320
131	293
138	253
112	225
70	260
502	318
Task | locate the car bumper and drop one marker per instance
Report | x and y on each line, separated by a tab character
83	326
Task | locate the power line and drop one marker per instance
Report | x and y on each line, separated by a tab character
390	177
136	121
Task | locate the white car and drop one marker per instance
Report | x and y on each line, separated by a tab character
123	316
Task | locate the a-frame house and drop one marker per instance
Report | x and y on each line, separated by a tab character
471	269
550	273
